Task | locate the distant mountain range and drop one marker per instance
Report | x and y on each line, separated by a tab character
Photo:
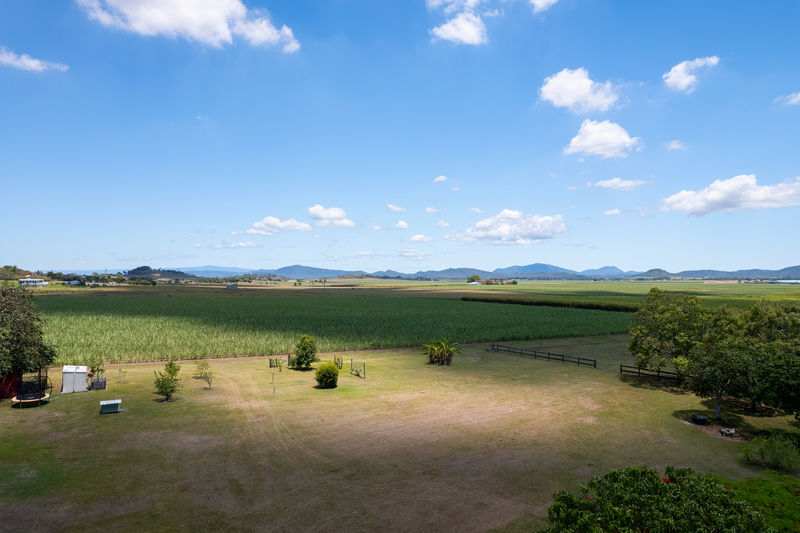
532	271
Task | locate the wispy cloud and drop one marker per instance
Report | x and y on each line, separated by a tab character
675	145
736	194
272	225
26	62
682	76
789	99
618	184
420	238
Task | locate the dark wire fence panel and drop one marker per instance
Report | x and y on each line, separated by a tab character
537	354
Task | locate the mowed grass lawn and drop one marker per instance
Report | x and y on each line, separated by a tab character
477	446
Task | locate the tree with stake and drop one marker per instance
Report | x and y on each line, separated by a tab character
166	382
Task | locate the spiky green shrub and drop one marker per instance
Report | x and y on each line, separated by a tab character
773	451
305	353
327	376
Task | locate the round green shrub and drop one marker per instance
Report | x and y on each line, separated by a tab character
327	376
305	353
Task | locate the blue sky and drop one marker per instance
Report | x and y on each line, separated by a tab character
415	135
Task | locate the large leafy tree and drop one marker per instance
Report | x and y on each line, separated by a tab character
666	327
22	346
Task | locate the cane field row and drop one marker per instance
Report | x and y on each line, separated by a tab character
159	323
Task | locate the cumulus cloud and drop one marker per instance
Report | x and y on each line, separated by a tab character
439	179
618	184
612	212
675	145
789	99
333	217
513	227
375	227
401	224
574	90
442	224
682	76
477	210
464	28
606	139
736	194
26	62
431	209
210	22
396	208
542	5
272	225
420	238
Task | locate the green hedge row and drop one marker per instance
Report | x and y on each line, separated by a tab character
625	308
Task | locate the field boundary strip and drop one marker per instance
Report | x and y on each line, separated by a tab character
528	352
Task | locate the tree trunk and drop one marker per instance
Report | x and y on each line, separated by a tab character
718	414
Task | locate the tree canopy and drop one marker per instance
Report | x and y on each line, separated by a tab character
22	346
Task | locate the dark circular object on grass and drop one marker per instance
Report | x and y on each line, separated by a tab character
699	419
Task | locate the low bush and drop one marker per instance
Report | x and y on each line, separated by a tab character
639	499
327	376
202	370
440	352
773	451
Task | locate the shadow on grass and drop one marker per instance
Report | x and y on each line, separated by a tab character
735	414
651	383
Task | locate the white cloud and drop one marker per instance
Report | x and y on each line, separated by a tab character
542	5
574	90
612	212
375	227
606	139
271	226
464	28
401	224
477	210
789	99
455	189
443	224
210	22
26	62
431	209
682	77
513	227
439	179
736	194
619	184
420	238
675	145
333	217
396	208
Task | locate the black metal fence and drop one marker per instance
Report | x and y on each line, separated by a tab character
528	352
658	374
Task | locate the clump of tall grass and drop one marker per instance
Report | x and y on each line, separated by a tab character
773	451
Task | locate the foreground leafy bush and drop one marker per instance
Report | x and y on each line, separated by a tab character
327	376
202	370
777	498
639	499
166	382
775	451
305	353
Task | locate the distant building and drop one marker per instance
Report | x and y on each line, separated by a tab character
232	286
32	282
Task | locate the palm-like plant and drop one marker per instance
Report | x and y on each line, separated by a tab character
440	352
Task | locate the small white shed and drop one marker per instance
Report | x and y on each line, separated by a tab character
73	379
